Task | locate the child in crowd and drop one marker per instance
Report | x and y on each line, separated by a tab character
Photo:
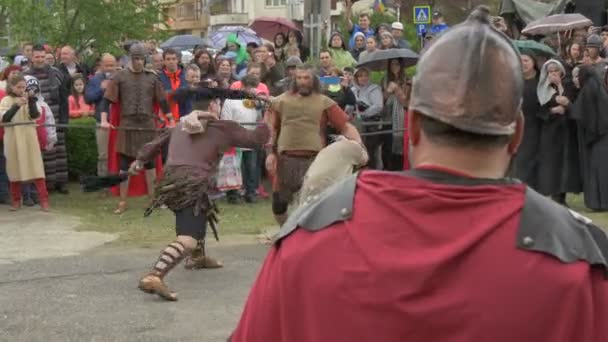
21	143
46	131
78	107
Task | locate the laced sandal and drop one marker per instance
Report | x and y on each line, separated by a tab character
202	262
153	284
122	207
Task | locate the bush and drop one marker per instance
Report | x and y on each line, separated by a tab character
82	148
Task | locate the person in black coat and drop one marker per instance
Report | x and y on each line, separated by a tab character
558	163
589	110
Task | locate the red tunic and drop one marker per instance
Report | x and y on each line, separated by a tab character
421	261
137	184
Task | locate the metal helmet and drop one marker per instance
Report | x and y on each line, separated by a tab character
137	50
471	79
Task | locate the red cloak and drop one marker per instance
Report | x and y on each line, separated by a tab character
422	261
137	184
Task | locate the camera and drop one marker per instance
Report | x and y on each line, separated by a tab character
362	106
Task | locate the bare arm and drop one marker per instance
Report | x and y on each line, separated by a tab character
349	14
351	133
273	119
339	120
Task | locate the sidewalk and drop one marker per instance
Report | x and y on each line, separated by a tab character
32	234
56	284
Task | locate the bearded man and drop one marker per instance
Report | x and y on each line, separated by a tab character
299	119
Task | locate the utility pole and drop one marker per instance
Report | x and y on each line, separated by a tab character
313	25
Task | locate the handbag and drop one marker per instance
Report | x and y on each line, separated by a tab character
229	175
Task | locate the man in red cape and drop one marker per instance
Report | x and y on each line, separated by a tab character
137	184
135	94
452	251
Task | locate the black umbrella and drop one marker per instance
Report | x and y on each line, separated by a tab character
186	41
378	60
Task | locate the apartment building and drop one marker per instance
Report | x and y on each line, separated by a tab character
201	16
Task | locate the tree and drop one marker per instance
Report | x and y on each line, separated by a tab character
100	24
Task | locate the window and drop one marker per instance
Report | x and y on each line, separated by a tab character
275	3
188	11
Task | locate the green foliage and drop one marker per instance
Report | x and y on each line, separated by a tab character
82	148
83	23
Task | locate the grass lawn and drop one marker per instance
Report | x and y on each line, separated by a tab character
96	213
576	203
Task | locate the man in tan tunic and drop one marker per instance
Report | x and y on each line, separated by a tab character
299	118
137	90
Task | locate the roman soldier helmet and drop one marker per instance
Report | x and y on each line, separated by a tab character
479	88
138	50
32	84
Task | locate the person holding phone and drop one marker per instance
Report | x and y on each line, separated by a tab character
21	145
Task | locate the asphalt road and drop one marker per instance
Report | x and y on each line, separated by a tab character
93	296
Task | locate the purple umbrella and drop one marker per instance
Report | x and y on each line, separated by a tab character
244	34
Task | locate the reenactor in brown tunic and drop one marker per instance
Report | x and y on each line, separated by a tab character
300	117
136	90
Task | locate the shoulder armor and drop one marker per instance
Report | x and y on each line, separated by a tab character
560	232
321	211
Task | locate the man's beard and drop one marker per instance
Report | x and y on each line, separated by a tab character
305	91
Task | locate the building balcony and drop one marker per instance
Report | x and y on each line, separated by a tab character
222	14
229	19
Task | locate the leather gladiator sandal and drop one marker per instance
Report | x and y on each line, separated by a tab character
152	282
198	259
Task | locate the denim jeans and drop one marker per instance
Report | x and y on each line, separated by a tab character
28	191
250	168
3	175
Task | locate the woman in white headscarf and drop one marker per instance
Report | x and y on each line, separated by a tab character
558	164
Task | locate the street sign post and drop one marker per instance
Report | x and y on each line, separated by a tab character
421	29
422	15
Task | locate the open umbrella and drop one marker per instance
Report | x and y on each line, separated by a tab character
378	60
537	48
268	27
244	34
183	42
557	23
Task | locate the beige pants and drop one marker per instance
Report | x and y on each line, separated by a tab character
102	136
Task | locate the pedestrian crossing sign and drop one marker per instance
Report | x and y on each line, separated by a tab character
422	14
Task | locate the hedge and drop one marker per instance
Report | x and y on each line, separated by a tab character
82	148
